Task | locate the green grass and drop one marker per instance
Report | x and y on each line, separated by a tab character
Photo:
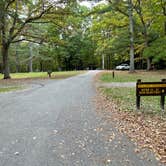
126	100
57	75
125	76
18	79
8	89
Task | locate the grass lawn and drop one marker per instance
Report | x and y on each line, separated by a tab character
125	98
125	76
56	75
19	79
145	127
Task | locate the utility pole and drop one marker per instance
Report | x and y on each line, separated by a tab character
131	24
30	66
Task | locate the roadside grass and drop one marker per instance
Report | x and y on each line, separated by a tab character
125	98
55	75
146	127
20	80
125	76
8	89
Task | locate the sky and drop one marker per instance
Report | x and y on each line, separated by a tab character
91	4
87	3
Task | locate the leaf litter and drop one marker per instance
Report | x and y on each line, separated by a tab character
145	130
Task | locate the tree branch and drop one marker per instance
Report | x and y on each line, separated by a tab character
29	40
116	8
9	3
29	20
14	21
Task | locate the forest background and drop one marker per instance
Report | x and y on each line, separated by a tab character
44	35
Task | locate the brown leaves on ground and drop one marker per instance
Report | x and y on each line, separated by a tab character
147	131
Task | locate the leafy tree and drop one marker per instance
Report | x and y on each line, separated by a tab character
15	17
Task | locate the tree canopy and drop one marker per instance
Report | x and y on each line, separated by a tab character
40	35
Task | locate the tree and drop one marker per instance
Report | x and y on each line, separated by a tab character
131	24
15	17
69	37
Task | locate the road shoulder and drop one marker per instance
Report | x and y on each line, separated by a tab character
147	137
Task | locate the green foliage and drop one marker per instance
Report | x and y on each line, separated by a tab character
70	36
149	21
157	50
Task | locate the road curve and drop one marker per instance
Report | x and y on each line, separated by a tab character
57	125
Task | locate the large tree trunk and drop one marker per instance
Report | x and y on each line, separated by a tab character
6	72
131	23
145	34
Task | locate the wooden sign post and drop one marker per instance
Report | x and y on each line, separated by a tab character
113	74
151	89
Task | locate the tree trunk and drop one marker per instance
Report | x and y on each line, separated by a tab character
145	34
131	23
109	62
17	60
30	59
148	63
164	13
5	45
41	66
165	28
149	59
6	72
103	62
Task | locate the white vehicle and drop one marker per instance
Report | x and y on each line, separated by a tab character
123	67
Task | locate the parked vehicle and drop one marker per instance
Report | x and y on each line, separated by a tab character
123	67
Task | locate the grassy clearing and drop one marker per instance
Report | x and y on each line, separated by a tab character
21	80
125	98
125	76
56	75
8	89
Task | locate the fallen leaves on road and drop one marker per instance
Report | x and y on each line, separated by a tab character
147	131
111	137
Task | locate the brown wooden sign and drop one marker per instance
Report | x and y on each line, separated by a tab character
151	89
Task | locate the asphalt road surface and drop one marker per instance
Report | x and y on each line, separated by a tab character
56	124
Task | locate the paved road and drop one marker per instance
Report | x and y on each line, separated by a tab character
57	125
